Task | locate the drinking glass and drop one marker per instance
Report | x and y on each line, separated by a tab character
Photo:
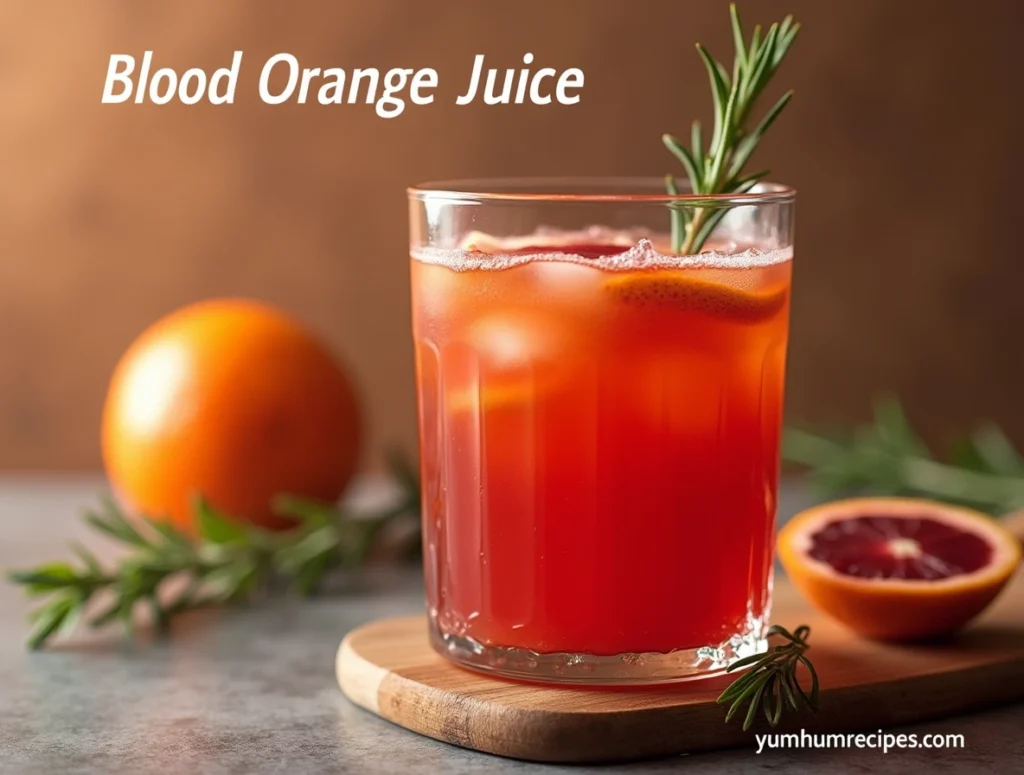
599	424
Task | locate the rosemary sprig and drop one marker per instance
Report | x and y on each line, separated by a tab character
771	682
887	457
719	168
229	563
883	457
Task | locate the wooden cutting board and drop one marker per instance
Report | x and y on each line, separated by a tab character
388	668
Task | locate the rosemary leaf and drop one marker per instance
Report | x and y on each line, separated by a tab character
696	147
718	169
91	562
755	38
117	529
747	145
755	702
772	715
813	699
771	683
738	688
787	691
750	688
737	36
680	152
763	68
214	526
719	93
229	562
887	457
788	31
49	619
748	660
678	214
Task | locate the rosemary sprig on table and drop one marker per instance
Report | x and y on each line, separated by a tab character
229	563
883	457
887	457
771	682
719	169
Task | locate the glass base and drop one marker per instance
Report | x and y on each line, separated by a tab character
618	670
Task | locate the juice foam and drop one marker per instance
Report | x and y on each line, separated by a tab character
640	251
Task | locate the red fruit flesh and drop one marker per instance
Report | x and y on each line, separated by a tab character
916	548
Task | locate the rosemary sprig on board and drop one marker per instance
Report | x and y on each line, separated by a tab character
887	457
771	684
169	572
883	457
720	167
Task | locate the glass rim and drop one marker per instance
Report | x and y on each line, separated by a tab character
567	190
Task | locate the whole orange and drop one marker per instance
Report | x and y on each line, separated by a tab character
232	400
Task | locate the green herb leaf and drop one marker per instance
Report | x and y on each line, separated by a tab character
749	143
678	213
229	563
737	36
216	527
44	578
92	564
996	452
50	619
680	152
109	519
772	681
306	511
174	538
719	93
696	148
322	542
887	457
720	169
763	66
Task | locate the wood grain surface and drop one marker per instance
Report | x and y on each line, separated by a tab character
389	668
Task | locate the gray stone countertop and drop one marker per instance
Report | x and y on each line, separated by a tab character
253	690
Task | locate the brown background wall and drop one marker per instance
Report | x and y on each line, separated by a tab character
901	142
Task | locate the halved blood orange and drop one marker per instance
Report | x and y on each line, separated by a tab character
670	290
898	568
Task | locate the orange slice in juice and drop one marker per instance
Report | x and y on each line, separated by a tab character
667	290
490	397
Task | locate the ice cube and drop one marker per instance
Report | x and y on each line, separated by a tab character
565	281
510	339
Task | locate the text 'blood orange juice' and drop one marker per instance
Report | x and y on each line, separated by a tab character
599	428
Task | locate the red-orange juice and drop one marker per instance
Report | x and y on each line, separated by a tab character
599	448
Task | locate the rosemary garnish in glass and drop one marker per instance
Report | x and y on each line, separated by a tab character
719	169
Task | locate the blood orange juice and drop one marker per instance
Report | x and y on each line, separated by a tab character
599	427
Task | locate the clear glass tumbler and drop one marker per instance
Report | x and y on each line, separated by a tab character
599	424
